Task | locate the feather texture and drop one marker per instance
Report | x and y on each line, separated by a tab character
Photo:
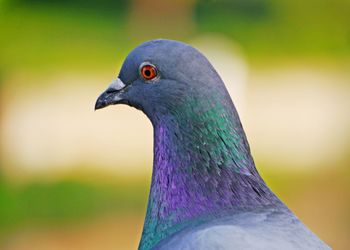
206	192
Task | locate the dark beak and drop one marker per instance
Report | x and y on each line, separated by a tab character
112	95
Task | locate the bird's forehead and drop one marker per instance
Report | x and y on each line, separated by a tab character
175	60
161	51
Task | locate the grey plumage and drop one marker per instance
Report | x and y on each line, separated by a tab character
258	229
206	192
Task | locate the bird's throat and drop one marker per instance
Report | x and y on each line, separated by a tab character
202	167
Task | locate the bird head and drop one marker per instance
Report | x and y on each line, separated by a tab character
162	76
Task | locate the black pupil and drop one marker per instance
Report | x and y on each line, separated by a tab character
147	73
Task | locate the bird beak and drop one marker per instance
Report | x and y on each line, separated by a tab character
111	95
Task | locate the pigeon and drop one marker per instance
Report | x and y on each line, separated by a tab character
206	192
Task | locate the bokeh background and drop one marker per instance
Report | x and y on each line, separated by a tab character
72	178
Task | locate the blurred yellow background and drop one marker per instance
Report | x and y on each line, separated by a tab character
72	178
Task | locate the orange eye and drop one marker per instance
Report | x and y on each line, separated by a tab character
148	72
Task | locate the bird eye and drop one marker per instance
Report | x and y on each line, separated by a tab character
148	71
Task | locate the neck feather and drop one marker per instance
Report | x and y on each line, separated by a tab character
202	168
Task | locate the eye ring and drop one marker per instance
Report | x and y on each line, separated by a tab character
148	71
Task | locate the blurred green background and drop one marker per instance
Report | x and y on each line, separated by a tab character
72	178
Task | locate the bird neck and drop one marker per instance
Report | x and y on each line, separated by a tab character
202	168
